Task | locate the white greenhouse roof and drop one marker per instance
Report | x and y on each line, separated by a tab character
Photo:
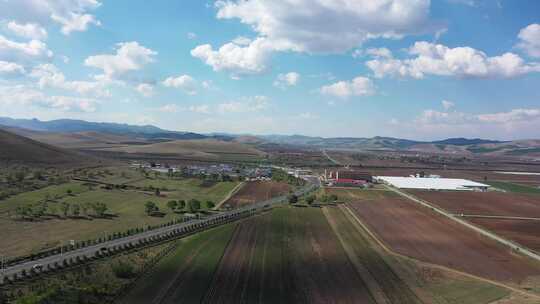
430	183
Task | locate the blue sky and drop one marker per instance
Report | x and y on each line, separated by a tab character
405	68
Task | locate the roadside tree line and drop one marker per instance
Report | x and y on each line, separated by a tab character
177	206
28	274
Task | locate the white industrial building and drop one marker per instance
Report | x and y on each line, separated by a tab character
428	183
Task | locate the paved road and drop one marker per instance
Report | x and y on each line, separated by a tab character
220	218
484	232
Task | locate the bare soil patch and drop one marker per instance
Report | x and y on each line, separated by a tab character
415	231
524	232
257	191
484	203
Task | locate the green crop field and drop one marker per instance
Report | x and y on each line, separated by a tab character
188	270
126	207
516	188
288	256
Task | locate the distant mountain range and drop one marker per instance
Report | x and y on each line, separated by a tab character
376	142
75	126
79	134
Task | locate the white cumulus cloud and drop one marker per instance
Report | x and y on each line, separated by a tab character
7	67
447	105
322	26
75	22
21	51
71	104
440	60
359	86
145	89
28	30
27	96
245	105
71	15
49	75
183	82
287	80
529	40
236	58
130	56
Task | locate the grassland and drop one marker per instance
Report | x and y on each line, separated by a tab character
184	276
54	191
112	175
190	188
512	187
126	207
207	149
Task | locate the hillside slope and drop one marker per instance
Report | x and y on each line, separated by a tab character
203	148
16	149
78	140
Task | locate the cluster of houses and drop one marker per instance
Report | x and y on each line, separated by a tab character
252	173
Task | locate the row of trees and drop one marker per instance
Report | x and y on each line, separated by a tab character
192	205
293	199
22	175
64	209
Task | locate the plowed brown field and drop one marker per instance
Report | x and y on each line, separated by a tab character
288	256
484	203
257	191
524	232
417	232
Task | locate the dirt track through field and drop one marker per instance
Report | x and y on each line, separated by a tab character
526	233
416	232
289	256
